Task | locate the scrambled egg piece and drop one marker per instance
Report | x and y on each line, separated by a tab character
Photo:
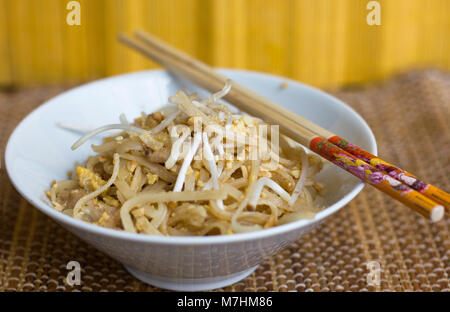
131	165
89	179
295	173
152	178
109	200
139	212
104	219
151	141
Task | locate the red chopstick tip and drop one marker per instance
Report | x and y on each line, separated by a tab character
437	213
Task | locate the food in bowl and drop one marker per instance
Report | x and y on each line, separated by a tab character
193	168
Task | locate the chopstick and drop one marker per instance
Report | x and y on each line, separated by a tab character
395	172
294	126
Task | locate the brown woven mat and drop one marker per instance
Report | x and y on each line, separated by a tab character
410	118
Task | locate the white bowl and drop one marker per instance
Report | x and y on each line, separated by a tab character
38	152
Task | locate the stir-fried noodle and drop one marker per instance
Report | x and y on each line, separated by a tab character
193	168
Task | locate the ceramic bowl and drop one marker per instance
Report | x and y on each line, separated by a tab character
38	152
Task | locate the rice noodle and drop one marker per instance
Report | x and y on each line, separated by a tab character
271	184
196	168
152	197
156	168
156	215
235	225
125	189
137	178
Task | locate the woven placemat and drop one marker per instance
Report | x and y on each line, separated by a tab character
410	118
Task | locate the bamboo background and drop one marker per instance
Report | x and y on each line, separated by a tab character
326	43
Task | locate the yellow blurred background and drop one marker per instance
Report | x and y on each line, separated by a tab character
326	43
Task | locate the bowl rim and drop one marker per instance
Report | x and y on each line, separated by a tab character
187	240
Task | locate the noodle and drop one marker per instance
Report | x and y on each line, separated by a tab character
152	197
269	183
194	168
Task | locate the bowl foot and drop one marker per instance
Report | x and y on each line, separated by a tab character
189	284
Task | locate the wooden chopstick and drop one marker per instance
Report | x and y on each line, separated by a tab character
258	106
395	172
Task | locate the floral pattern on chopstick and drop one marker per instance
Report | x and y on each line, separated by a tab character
356	166
368	173
379	164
